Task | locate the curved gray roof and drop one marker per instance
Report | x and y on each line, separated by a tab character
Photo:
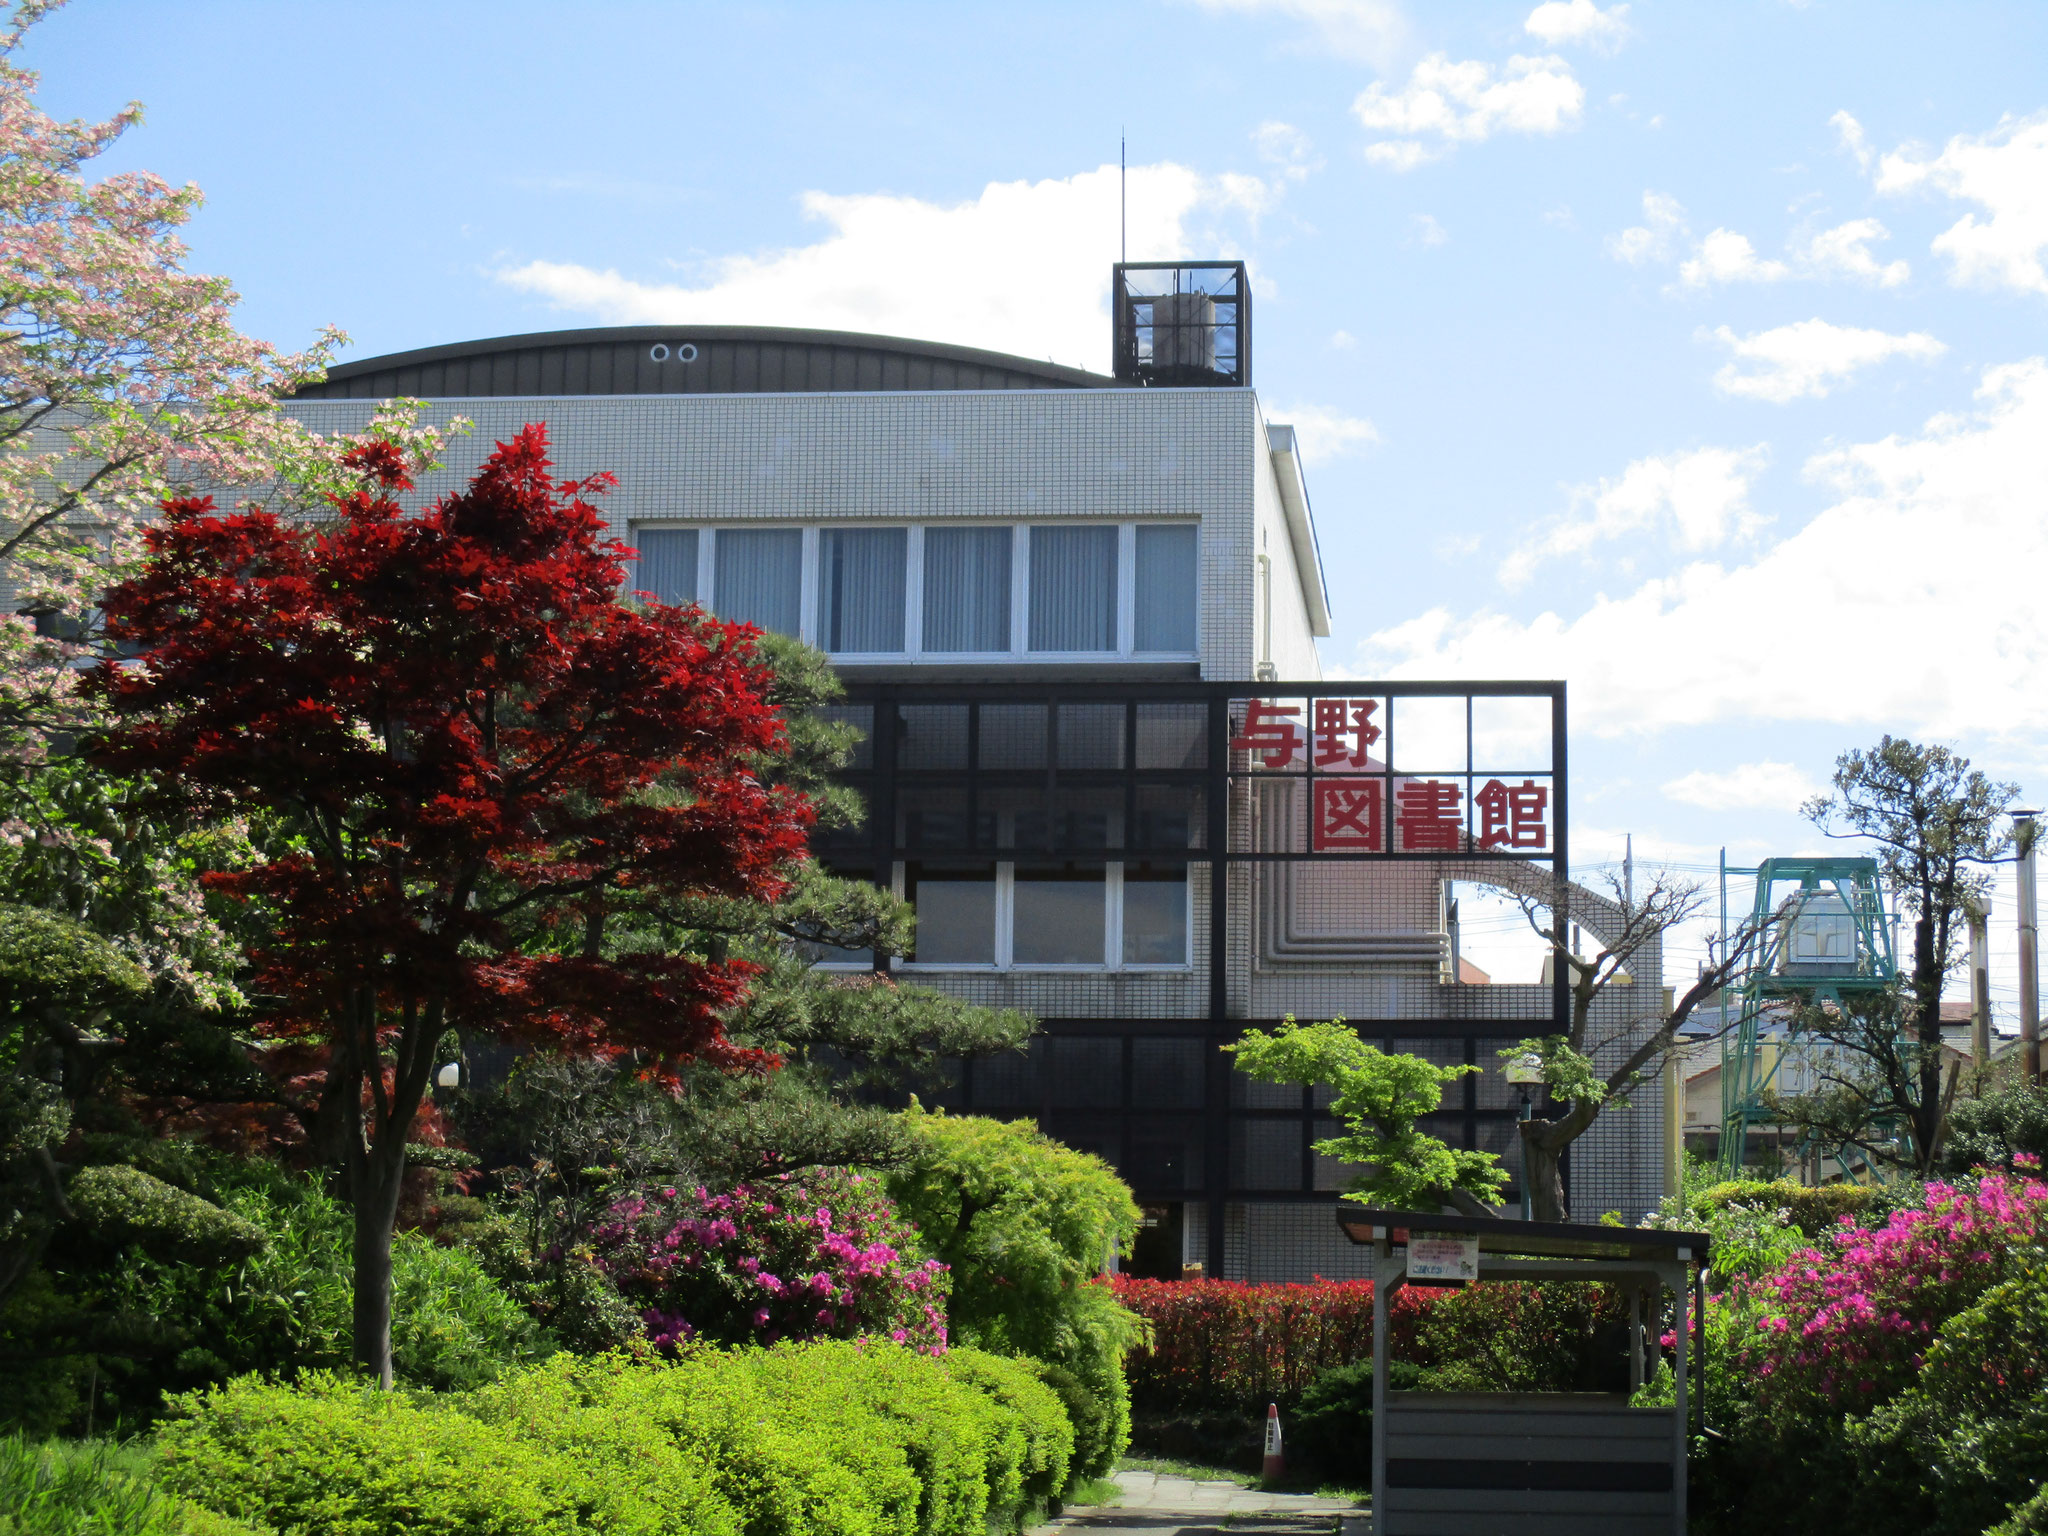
688	360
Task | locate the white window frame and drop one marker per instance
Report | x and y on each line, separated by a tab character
810	618
1005	961
913	590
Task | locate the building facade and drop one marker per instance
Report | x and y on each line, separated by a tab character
1077	616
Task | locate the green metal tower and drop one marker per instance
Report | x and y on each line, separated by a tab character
1824	935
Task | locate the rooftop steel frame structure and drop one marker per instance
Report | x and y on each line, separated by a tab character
1777	974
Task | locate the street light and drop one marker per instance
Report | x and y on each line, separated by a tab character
1525	1072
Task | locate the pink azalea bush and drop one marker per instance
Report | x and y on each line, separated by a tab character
802	1256
1847	1325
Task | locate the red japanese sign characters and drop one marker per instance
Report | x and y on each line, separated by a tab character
1393	803
1513	817
1349	816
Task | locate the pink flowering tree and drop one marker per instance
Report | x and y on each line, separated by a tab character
122	380
1847	1326
803	1256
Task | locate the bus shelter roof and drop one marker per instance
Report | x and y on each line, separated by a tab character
1530	1239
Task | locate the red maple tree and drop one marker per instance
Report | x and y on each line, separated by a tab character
480	752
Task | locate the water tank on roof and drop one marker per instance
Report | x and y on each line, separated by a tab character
1818	937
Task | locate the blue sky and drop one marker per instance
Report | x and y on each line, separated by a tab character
1693	353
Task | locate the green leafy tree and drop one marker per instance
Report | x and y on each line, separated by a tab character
1995	1131
1027	1226
1380	1097
1933	821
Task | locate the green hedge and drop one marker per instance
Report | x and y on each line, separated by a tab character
820	1439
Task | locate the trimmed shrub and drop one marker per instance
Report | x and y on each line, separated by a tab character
1815	1210
1022	1223
2000	1130
122	1205
1332	1425
1094	1421
1225	1347
336	1457
821	1439
1846	1328
1888	1381
821	1255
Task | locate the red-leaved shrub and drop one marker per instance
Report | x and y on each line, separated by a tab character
1221	1346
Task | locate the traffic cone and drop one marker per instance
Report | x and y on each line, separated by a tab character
1275	1465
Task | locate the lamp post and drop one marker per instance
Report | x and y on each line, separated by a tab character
2024	831
1525	1072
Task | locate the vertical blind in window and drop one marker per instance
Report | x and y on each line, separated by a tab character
760	577
1073	587
668	564
860	588
966	589
1166	588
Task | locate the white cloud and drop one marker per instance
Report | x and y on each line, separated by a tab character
1447	102
1851	133
1324	434
1726	257
1341	341
1765	786
1805	360
1910	603
1022	268
1428	231
1652	240
1701	496
1578	21
1286	146
1844	251
1362	31
2005	172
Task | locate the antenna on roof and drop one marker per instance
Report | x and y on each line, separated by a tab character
1123	217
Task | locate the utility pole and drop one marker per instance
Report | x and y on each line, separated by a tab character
1980	985
2024	831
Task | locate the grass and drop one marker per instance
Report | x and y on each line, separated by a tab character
57	1489
1094	1492
1166	1466
1322	1488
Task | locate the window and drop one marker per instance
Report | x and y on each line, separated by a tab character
1034	913
1059	915
1166	585
860	588
1155	915
760	577
1073	587
956	915
944	591
668	565
967	589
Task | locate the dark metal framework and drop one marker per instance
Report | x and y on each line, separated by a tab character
1091	773
1182	323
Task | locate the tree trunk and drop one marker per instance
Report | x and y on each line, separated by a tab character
1927	1030
1543	1172
376	1211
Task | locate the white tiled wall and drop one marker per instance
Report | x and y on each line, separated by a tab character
1015	455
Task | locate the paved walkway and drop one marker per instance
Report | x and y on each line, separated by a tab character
1157	1505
